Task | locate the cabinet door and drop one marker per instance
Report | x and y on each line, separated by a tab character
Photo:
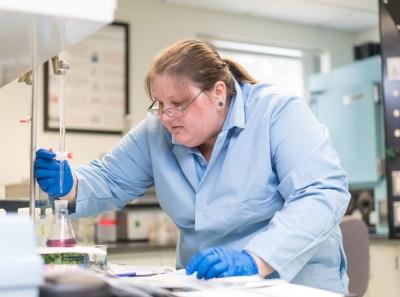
384	271
350	115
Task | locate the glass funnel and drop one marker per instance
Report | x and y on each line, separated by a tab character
61	233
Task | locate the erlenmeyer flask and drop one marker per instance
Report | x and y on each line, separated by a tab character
61	233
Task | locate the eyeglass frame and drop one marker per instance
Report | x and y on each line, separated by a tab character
170	115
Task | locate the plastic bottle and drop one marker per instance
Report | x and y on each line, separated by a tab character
61	233
106	227
43	225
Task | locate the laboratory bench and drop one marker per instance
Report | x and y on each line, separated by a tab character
137	246
384	254
142	254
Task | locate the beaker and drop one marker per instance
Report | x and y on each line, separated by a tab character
61	233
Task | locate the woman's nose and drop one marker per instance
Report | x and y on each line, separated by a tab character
166	118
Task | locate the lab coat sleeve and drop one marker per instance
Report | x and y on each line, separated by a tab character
312	183
123	174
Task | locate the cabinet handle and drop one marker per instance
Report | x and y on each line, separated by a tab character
396	263
350	98
377	93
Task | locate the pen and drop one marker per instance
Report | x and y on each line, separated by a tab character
131	274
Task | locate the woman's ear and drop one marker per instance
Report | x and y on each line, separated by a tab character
219	90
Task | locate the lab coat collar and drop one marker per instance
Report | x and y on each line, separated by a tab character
236	116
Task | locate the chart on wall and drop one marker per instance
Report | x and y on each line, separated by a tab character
96	85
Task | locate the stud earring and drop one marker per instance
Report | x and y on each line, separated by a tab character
221	103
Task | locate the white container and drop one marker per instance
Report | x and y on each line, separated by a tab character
24	211
41	230
21	271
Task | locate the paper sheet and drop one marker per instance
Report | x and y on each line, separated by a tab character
119	269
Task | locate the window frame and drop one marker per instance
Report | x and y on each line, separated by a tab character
312	60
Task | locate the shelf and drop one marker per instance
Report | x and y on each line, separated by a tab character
13	205
145	201
136	246
52	25
138	206
149	199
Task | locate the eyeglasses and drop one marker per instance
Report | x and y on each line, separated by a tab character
172	112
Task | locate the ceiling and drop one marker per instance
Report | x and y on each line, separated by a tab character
347	15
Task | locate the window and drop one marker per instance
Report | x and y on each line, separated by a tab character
286	68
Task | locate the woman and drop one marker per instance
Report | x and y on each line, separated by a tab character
249	176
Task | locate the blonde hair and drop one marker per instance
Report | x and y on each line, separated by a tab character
199	62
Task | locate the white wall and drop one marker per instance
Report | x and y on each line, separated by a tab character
368	35
153	26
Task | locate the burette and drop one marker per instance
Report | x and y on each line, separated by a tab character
59	68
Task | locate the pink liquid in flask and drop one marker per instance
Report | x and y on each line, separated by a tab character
61	243
61	233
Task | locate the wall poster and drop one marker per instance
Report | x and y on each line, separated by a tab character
96	85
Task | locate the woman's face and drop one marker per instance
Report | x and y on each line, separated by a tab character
202	119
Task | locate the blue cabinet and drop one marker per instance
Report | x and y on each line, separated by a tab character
347	101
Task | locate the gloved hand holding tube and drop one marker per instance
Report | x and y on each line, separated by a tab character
47	173
221	262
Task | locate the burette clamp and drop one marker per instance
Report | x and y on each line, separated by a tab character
61	156
26	78
60	66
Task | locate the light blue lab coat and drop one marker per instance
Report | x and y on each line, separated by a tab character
274	186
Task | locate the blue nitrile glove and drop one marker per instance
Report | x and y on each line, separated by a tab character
47	173
221	262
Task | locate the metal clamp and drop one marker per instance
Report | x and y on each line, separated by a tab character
26	78
59	65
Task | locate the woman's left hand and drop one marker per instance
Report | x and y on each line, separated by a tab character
221	262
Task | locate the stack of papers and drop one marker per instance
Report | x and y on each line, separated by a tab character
182	285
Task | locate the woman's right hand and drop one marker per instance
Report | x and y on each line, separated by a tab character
47	173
